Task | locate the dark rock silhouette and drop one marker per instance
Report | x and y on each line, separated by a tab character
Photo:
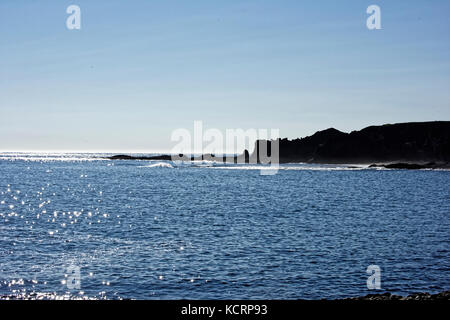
414	145
127	157
402	142
402	165
420	296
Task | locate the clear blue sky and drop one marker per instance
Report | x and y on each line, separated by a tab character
137	70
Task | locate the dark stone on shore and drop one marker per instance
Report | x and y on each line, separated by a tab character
421	296
412	166
402	165
387	296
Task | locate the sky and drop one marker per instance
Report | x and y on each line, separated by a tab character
138	70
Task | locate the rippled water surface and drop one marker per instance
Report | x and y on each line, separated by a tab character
160	231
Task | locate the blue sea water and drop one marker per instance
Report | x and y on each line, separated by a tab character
154	230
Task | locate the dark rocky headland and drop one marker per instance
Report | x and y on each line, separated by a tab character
413	145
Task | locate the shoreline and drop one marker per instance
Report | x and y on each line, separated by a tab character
244	159
419	296
387	296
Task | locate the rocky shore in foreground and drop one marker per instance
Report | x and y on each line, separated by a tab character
421	296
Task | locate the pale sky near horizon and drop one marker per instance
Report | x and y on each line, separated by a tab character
137	70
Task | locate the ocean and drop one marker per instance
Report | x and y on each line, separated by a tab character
75	226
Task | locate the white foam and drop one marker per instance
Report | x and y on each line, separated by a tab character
298	166
47	157
158	165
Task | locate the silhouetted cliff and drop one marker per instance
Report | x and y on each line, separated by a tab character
407	142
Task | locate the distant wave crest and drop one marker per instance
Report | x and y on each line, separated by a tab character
158	165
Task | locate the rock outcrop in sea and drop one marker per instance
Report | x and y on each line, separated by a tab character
415	142
413	145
